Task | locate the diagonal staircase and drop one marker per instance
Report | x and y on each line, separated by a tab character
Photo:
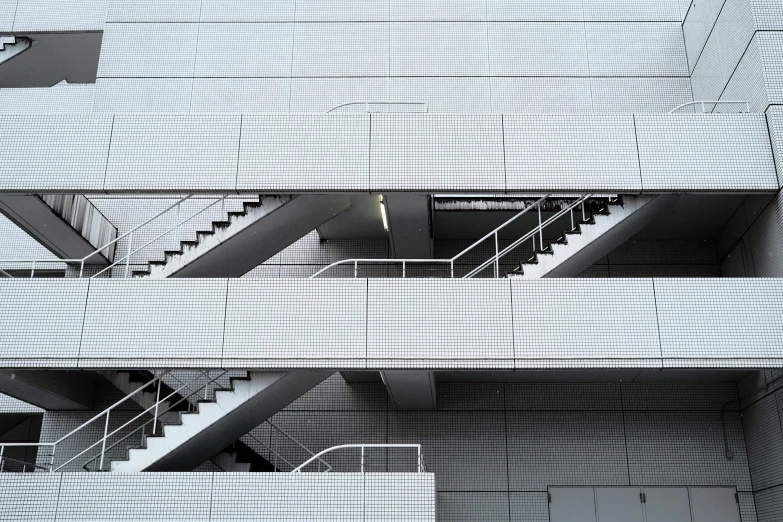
11	46
607	228
190	438
241	458
245	239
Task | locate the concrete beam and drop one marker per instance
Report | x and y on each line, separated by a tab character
411	389
50	389
68	225
408	216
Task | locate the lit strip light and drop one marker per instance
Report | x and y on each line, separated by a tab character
383	215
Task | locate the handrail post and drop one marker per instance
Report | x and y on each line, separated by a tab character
130	249
81	270
103	444
362	459
2	460
403	269
572	219
176	230
497	257
747	106
452	269
583	209
540	229
703	109
355	269
418	450
51	459
32	271
157	403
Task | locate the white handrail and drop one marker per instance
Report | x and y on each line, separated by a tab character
107	413
704	103
126	258
368	103
420	462
451	260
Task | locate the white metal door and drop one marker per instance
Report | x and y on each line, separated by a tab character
618	505
714	505
666	505
571	505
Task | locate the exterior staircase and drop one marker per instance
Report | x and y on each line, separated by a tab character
613	223
189	438
11	46
244	239
241	458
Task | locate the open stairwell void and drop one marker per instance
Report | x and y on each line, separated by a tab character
190	438
11	46
242	240
590	239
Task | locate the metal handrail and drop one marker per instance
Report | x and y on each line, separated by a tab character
368	103
532	234
127	257
704	103
154	420
289	437
451	260
107	413
419	460
25	464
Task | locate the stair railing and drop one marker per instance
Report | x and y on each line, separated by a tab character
154	410
367	104
276	454
141	429
126	259
703	104
580	200
363	447
531	235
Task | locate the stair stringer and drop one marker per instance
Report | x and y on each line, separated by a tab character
597	240
217	424
235	254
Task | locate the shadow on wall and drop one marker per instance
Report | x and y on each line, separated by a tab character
52	58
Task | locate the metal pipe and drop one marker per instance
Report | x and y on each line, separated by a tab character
497	258
540	229
362	459
157	402
32	272
103	445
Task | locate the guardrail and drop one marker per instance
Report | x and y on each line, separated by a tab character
703	104
382	103
363	447
499	253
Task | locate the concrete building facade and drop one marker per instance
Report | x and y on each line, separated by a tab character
347	260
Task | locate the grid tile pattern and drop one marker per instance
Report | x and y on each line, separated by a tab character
639	95
312	151
541	95
244	50
532	10
294	323
701	151
437	49
590	325
41	321
440	152
636	49
775	125
248	10
70	15
550	152
764	441
63	98
140	95
341	49
174	321
621	10
541	445
168	495
715	319
7	13
153	11
159	50
248	95
65	152
414	320
190	152
554	49
683	448
29	496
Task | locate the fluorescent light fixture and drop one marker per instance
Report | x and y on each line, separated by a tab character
383	215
